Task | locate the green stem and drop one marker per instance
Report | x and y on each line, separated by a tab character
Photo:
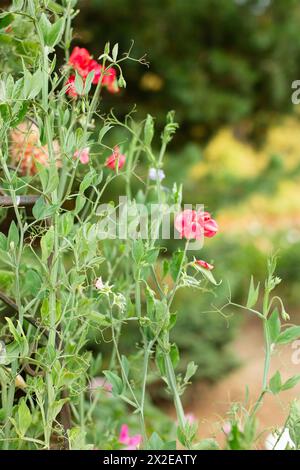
173	386
10	403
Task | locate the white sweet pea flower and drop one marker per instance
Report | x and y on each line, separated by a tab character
274	442
102	286
156	174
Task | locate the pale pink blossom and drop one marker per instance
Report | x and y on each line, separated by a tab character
227	428
190	418
100	383
83	155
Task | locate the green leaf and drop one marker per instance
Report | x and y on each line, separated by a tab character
116	382
160	362
55	408
293	423
115	51
125	365
87	181
3	242
45	26
206	444
66	223
275	383
290	383
148	130
104	131
77	439
137	250
191	370
6	19
24	418
53	179
13	235
55	32
88	82
5	111
175	264
174	355
52	5
206	273
45	311
289	335
80	202
12	353
274	326
17	5
19	114
6	279
32	283
41	210
155	442
34	84
151	256
79	84
47	244
253	294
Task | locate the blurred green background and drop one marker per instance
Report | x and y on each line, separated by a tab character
226	68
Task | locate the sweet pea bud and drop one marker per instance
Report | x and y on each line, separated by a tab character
148	130
20	382
122	82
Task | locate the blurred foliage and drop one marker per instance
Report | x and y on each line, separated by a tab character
214	62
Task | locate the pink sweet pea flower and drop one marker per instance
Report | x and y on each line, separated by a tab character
210	225
98	383
194	225
190	418
186	223
131	442
116	159
204	264
227	428
83	155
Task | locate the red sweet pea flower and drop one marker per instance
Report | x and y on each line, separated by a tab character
204	264
71	90
193	225
93	66
110	80
80	60
115	159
